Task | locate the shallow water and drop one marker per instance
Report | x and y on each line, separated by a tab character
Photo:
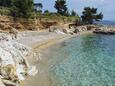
88	60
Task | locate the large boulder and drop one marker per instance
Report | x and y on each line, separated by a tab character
13	64
53	28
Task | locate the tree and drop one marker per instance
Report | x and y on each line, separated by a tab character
38	7
90	14
73	13
22	8
6	3
46	11
61	7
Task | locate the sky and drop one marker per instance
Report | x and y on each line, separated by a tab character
107	7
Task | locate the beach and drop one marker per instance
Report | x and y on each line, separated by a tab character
53	57
40	49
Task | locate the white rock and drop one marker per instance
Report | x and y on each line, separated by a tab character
14	53
32	71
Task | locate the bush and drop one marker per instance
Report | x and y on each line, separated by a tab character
4	11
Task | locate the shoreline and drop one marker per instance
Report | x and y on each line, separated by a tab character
40	48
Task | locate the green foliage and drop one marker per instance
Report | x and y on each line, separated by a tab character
73	13
38	7
4	11
46	11
67	13
6	3
61	7
90	14
22	8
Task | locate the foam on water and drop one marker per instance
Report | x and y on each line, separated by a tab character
89	61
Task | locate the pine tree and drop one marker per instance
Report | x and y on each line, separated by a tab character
90	14
61	7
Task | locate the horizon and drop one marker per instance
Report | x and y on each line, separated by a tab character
104	6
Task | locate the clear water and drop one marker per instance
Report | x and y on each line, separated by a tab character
88	60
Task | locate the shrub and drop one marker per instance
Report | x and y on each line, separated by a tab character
4	11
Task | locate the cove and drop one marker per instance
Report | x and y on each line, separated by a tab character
87	60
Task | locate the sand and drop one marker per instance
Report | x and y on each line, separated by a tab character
41	41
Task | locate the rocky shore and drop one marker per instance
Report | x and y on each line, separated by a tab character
110	30
13	64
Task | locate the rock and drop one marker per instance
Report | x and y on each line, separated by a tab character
13	64
18	26
32	71
53	28
65	31
89	27
76	31
9	83
58	31
1	83
71	33
4	26
14	32
5	37
7	27
33	28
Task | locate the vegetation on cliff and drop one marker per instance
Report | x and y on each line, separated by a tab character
90	15
28	14
29	9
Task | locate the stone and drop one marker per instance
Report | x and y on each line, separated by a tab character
1	83
9	83
14	32
53	28
33	28
13	64
65	31
76	31
18	26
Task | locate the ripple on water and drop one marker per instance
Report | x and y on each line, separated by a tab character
90	61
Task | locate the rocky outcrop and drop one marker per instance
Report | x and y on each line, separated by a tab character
13	64
32	27
105	30
72	31
18	26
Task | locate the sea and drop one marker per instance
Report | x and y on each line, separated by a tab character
87	60
106	22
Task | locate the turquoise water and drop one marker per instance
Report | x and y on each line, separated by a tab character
88	60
